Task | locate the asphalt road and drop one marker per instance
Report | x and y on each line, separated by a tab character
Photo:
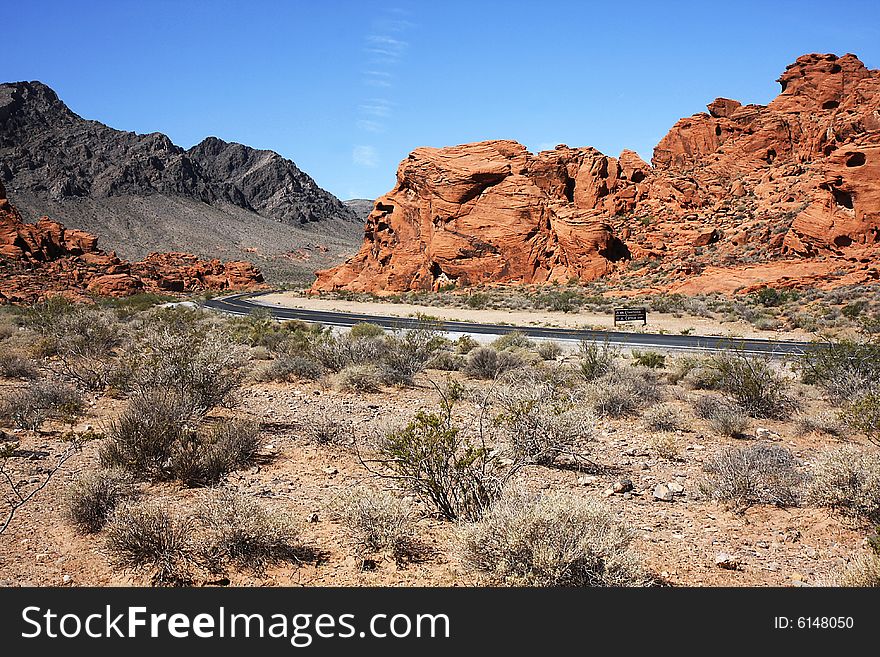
244	304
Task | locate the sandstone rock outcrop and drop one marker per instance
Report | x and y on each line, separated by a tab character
740	187
45	258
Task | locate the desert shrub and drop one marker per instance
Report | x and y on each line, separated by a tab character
649	359
379	522
465	344
430	455
243	533
622	392
446	361
848	479
663	417
512	340
157	436
845	369
821	422
15	365
290	368
366	330
862	571
595	360
549	350
725	417
665	445
43	316
681	367
359	378
145	538
336	353
486	363
260	329
551	540
202	457
93	496
541	419
863	414
28	407
408	354
753	383
86	342
757	474
176	352
323	429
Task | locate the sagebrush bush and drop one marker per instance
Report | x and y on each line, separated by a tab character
464	344
145	538
512	340
29	407
323	429
845	369
486	363
665	445
725	417
336	353
820	422
596	360
863	414
15	365
757	474
177	352
622	392
847	479
291	368
359	378
753	383
549	350
663	417
93	496
551	540
542	419
379	522
240	532
158	436
446	361
366	330
408	354
87	339
863	571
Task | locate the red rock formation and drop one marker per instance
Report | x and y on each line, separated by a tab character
786	184
45	258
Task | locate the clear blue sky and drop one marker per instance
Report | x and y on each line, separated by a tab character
346	89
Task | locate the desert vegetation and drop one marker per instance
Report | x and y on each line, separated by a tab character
171	446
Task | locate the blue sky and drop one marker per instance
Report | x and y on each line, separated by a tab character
346	89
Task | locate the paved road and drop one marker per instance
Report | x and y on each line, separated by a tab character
244	304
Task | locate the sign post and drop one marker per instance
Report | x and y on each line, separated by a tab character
631	315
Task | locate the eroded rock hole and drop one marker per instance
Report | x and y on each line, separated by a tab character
830	104
842	198
387	208
638	176
835	68
569	189
855	159
842	240
616	250
771	155
717	130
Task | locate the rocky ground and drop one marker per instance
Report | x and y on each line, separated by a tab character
684	539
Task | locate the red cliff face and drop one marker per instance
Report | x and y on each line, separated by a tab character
791	186
45	258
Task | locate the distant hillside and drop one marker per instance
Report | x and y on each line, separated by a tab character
362	207
142	193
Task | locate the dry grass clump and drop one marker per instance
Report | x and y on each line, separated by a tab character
93	496
29	407
551	540
622	392
757	474
862	571
359	378
380	522
848	479
487	363
663	417
724	416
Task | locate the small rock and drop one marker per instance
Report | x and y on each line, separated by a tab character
330	470
622	486
726	561
662	493
587	480
608	492
675	488
644	466
762	433
67	579
313	517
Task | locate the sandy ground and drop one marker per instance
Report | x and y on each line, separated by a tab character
678	539
657	322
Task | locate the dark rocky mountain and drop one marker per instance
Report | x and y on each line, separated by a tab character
362	207
143	193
